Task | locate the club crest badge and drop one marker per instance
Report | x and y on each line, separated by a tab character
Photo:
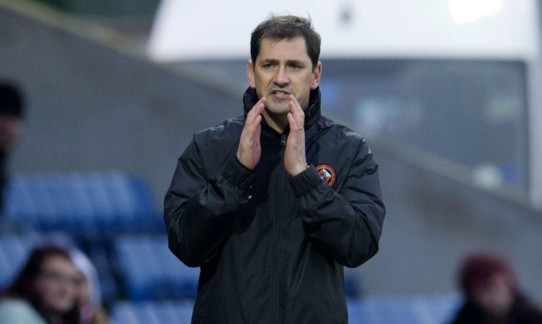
327	174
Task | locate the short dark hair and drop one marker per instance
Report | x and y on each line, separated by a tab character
11	100
286	27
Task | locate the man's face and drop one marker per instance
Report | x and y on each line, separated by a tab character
9	131
283	67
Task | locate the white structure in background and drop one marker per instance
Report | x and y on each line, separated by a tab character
466	11
487	29
212	29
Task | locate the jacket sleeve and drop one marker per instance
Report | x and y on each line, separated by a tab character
198	209
347	224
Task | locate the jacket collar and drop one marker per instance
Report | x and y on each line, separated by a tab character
312	114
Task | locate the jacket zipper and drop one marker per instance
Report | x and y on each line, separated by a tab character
275	281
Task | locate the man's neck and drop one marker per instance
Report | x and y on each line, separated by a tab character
279	122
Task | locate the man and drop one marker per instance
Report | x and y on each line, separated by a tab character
11	115
273	204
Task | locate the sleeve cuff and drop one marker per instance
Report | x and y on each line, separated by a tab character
238	175
305	181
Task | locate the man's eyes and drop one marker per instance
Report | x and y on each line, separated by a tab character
289	66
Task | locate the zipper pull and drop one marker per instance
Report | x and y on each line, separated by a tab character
283	138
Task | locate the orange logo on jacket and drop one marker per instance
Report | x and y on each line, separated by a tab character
327	174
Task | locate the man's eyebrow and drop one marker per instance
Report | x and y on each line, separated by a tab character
288	62
268	60
295	62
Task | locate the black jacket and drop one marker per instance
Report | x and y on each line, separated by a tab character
272	247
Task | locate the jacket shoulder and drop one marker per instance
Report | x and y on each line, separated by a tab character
346	142
217	144
221	134
340	132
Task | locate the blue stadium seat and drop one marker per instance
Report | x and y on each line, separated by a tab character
419	309
436	308
99	251
371	310
152	312
151	271
352	285
391	311
356	314
94	203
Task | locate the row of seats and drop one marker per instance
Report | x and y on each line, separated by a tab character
147	270
151	312
151	271
431	309
15	250
92	207
89	204
145	267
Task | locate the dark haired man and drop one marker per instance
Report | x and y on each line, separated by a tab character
273	204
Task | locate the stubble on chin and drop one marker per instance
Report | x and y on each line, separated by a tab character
277	108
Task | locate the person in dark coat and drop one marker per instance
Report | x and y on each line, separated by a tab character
273	204
11	117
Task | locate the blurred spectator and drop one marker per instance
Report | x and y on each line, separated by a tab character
90	297
44	292
491	294
11	114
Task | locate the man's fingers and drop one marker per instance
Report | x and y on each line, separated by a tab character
294	125
297	112
248	152
295	160
256	127
253	124
254	117
256	110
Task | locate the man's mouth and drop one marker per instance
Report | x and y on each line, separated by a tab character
280	94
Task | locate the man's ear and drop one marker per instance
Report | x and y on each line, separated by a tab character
250	75
316	74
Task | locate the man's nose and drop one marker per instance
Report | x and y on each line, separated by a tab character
281	77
